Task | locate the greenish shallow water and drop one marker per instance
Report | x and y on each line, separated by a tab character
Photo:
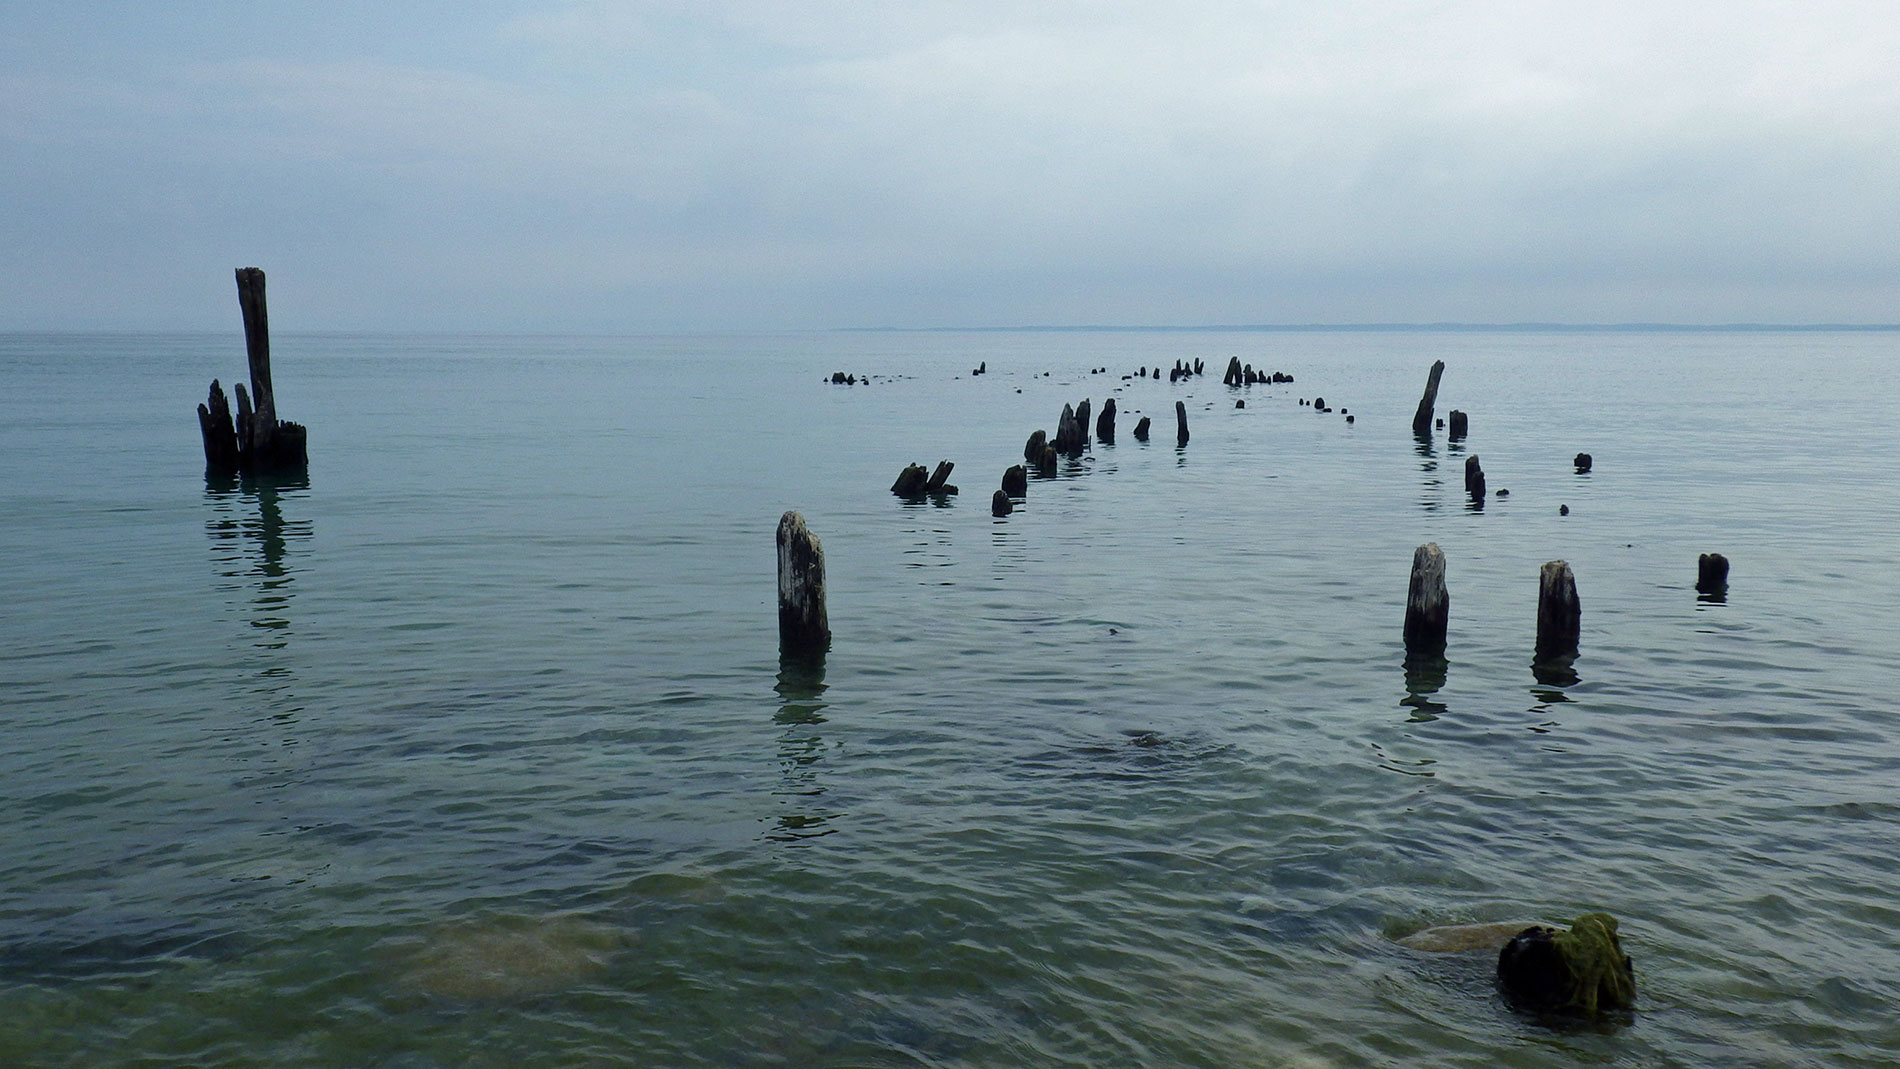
474	748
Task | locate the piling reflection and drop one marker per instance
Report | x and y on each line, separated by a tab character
1424	677
800	689
251	540
1558	670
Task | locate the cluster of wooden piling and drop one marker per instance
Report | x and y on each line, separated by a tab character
1239	374
256	441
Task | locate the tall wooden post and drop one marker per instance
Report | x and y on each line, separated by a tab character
1427	604
1559	614
803	626
1422	419
250	284
1180	422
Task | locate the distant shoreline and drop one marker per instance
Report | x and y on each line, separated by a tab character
1406	328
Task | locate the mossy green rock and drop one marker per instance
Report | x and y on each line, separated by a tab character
1582	971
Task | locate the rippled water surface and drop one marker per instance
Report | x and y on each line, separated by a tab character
474	748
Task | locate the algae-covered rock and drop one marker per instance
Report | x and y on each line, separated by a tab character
1582	971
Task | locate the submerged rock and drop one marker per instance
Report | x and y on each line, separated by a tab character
1460	938
501	958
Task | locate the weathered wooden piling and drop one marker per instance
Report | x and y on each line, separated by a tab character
1082	423
1015	480
1199	366
1180	423
999	504
940	479
803	627
1460	425
1068	437
911	481
1046	464
1559	614
1474	478
1232	377
1141	429
1032	452
1582	462
1711	574
1427	604
1105	423
1422	419
256	441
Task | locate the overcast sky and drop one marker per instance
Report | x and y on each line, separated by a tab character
593	165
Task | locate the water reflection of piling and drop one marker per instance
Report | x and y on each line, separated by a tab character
800	689
1424	678
256	544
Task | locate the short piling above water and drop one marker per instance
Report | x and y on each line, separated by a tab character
1141	429
1427	604
803	627
1180	423
1474	478
1711	574
1559	614
1105	423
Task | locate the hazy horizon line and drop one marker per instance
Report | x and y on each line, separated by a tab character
1449	327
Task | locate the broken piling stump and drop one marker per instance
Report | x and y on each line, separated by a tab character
1559	614
1068	437
940	479
1711	574
1422	419
1015	480
1460	425
1082	425
1046	465
1474	478
803	628
256	441
1582	462
1105	423
911	481
1141	429
1180	423
1427	604
1032	452
999	504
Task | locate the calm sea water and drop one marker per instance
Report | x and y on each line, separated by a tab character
474	747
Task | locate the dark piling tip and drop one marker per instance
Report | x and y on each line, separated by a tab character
1563	510
1240	404
1711	573
999	504
1582	462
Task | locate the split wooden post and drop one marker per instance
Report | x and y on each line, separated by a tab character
1032	451
1559	614
257	440
1474	478
1180	423
1427	604
1422	419
803	627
